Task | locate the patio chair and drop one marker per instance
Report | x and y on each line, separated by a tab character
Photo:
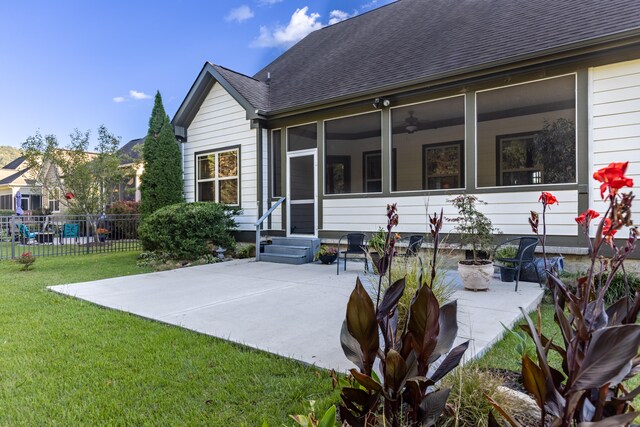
524	255
356	245
25	235
415	242
69	231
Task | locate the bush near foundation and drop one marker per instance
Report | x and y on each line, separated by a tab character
189	231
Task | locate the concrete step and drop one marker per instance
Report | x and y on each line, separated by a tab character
311	245
287	250
295	241
283	258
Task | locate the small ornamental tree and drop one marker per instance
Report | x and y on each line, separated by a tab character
161	181
82	180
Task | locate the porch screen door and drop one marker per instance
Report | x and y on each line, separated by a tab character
302	193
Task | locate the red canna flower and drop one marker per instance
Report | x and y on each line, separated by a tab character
612	178
586	217
548	199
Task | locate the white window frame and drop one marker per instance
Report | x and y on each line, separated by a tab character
216	179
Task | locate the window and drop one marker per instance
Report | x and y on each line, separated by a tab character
276	163
353	163
36	201
217	178
372	166
428	141
54	200
443	165
303	137
517	164
6	202
526	133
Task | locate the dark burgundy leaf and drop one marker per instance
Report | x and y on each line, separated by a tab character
351	347
362	325
450	362
432	406
448	324
618	311
608	358
615	421
391	298
366	381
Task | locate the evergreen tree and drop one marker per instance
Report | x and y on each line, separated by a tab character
162	176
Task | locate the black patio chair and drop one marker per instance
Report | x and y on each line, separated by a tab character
415	242
356	245
524	256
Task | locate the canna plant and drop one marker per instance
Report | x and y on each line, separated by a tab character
404	386
599	348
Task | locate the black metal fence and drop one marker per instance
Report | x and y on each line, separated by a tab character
55	235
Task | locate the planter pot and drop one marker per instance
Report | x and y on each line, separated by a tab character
507	274
476	277
328	258
102	237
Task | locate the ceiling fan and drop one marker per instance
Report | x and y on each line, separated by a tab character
411	123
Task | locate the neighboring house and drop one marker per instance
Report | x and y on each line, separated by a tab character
131	155
14	178
417	101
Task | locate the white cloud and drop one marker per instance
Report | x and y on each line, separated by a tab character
298	27
119	99
239	14
268	2
337	15
134	94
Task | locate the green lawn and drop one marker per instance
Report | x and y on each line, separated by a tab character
68	362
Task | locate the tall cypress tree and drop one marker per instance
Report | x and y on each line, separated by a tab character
162	175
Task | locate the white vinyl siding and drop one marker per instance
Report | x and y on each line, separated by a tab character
615	123
508	211
221	123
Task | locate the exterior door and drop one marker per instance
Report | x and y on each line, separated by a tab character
302	193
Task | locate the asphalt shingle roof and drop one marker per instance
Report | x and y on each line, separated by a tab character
15	163
253	90
420	40
11	178
129	152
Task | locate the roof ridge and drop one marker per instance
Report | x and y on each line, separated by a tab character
236	72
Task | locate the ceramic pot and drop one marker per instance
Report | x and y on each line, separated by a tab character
476	277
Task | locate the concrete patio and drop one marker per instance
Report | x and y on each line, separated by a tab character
291	310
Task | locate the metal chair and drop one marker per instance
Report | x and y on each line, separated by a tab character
25	235
356	245
70	231
524	255
415	242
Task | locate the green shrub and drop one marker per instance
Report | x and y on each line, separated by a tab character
507	251
618	289
189	230
6	212
246	251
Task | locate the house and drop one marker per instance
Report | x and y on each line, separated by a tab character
415	102
14	178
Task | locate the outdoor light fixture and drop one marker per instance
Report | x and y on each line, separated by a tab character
412	123
381	102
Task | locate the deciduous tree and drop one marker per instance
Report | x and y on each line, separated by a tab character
82	180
